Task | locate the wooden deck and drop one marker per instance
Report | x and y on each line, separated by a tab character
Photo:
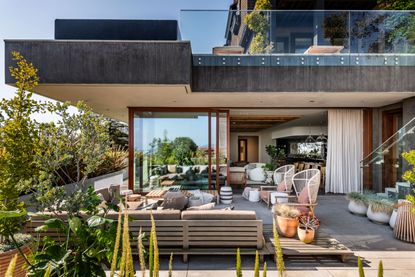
323	245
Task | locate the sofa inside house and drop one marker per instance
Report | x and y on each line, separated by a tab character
252	174
187	177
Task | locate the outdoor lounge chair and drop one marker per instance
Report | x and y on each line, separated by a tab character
283	183
306	184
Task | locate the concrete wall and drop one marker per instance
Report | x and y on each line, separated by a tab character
303	78
104	62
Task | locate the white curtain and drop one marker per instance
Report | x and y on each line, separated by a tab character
344	150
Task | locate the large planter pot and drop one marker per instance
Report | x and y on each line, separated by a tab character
306	236
357	208
392	220
20	269
287	226
380	217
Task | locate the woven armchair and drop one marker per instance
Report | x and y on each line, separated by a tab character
285	186
306	184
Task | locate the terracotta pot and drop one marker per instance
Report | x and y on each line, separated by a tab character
20	269
306	236
287	226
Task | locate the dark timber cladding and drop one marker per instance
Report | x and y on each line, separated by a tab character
303	79
105	62
107	29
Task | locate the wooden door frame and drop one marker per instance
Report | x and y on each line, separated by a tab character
388	129
246	149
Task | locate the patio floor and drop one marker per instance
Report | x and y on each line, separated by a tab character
373	242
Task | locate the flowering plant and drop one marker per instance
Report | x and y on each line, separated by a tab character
309	222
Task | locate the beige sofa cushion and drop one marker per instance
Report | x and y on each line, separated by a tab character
218	215
145	214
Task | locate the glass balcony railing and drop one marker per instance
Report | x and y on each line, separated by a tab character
299	32
390	151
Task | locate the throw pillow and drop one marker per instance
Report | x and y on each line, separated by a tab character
208	206
171	168
174	200
257	174
303	197
281	186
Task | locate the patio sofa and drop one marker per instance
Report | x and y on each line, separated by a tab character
211	232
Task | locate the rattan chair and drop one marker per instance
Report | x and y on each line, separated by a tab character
405	222
306	184
287	172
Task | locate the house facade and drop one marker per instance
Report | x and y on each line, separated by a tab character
325	82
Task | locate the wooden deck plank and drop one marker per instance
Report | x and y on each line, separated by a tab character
323	245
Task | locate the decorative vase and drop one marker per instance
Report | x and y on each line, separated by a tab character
305	235
226	195
287	226
392	220
5	258
379	217
357	208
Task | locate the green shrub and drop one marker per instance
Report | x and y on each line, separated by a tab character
256	266
264	273
380	269
360	267
358	197
278	251
238	263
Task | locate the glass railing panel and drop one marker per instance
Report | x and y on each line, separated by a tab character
381	32
228	32
390	151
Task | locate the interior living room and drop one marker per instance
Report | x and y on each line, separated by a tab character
270	138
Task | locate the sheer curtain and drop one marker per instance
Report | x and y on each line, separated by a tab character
344	150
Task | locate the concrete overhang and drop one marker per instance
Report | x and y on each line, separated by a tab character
113	75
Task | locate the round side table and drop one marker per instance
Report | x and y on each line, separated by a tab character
254	196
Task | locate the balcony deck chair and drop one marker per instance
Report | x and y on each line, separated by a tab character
306	184
282	184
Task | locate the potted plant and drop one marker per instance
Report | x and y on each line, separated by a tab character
307	227
358	203
287	220
380	209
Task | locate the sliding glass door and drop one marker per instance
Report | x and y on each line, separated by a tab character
178	149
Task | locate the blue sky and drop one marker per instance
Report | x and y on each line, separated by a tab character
34	19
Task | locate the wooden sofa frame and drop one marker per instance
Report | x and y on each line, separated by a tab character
186	237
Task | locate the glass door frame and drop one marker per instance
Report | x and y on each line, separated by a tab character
211	111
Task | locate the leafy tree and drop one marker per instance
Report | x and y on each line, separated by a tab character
18	144
183	150
395	5
409	175
118	134
257	22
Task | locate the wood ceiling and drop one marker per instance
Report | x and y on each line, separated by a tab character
255	123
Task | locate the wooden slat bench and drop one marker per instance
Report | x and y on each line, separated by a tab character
323	245
188	233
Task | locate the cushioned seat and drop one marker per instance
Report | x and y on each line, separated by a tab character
219	215
146	214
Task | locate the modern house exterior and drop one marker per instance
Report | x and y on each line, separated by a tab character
327	81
